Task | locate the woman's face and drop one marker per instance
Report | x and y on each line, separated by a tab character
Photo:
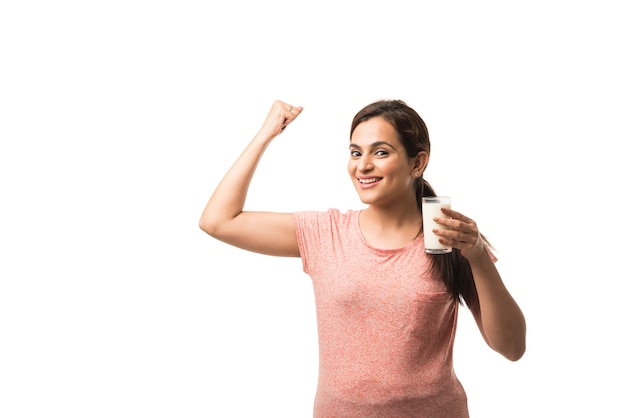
381	171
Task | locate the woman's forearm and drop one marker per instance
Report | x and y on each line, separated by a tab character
228	199
503	323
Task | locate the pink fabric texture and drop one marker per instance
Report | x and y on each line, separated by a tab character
386	325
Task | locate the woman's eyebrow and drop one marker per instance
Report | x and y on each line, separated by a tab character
373	145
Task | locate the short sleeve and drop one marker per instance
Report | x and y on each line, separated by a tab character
309	235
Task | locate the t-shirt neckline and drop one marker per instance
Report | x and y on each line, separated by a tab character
415	242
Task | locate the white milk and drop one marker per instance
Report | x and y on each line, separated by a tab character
431	208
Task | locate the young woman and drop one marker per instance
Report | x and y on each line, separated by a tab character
386	310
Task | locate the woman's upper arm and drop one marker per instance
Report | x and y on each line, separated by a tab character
268	233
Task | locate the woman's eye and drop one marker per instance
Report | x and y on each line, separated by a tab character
355	153
381	152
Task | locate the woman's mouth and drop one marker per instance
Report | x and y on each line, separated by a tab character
369	180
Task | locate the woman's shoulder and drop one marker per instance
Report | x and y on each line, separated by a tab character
329	217
342	213
333	212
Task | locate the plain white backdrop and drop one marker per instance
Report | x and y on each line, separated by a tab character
118	118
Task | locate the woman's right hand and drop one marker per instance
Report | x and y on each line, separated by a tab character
280	115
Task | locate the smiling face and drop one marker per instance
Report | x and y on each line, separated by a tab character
381	171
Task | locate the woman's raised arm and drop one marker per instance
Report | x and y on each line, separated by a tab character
224	218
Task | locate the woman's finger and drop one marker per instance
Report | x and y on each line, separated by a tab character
455	215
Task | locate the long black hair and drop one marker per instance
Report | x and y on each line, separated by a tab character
413	133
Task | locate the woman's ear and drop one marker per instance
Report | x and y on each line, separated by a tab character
420	162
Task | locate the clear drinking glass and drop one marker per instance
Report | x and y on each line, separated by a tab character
431	208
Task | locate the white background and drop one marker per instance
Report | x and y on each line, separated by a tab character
118	118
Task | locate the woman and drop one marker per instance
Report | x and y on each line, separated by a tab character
386	310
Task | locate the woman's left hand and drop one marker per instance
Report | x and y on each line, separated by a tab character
460	232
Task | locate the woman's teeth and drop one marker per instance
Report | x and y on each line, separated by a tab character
367	181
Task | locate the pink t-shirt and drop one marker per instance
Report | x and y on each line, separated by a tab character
386	325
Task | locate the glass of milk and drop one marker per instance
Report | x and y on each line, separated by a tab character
431	208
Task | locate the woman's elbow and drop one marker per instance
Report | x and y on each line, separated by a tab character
515	353
209	226
511	350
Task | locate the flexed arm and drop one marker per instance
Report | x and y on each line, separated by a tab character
224	218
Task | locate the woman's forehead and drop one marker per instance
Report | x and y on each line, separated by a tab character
374	130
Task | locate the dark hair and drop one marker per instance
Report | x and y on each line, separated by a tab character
413	133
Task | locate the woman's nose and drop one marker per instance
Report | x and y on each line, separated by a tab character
365	163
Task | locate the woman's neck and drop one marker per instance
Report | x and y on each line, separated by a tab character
390	227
